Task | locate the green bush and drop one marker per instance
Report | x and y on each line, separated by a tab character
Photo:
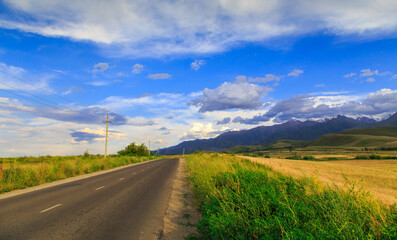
134	150
311	158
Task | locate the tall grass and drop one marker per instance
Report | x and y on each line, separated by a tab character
240	199
23	172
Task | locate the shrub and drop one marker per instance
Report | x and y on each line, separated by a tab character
311	158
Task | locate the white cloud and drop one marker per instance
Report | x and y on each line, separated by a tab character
100	67
200	130
320	85
394	76
231	95
13	77
349	75
371	79
161	99
368	73
197	64
157	76
267	78
73	90
377	104
163	27
295	73
98	83
137	68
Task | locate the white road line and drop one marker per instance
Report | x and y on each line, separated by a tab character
48	209
99	188
121	179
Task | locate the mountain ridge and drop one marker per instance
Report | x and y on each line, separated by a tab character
263	135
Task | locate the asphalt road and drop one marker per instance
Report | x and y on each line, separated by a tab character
125	204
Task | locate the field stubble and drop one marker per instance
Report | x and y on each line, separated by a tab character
377	176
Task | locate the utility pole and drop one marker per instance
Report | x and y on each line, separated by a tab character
106	141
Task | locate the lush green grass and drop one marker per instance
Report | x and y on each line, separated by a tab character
23	172
240	199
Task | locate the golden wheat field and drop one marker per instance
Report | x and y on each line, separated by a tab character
379	177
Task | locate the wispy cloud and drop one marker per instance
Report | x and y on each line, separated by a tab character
198	27
295	73
98	83
158	76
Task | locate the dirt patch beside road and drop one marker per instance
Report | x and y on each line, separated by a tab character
181	215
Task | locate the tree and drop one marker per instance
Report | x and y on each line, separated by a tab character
134	150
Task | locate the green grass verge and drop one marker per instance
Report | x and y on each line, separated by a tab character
239	199
23	172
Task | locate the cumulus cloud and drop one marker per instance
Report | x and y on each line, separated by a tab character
381	102
319	85
371	79
394	76
295	73
231	95
137	68
201	131
197	64
161	27
157	76
100	67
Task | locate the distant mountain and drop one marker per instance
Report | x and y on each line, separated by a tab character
263	135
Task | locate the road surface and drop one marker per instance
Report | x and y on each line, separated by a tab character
129	203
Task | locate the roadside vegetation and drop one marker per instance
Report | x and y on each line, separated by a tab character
23	172
240	199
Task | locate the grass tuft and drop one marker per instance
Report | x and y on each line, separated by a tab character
240	199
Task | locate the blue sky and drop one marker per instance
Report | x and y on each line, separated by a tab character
169	71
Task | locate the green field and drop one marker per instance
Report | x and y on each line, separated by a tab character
240	199
23	172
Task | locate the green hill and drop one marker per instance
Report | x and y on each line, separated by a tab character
281	144
368	137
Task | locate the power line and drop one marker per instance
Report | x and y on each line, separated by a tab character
26	97
42	89
56	104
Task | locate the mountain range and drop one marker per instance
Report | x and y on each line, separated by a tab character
291	130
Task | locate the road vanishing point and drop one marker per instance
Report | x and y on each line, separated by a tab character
128	203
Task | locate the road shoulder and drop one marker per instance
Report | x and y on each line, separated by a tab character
181	215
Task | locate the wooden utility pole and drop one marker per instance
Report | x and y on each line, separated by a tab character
106	141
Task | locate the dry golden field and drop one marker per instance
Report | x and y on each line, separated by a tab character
379	177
